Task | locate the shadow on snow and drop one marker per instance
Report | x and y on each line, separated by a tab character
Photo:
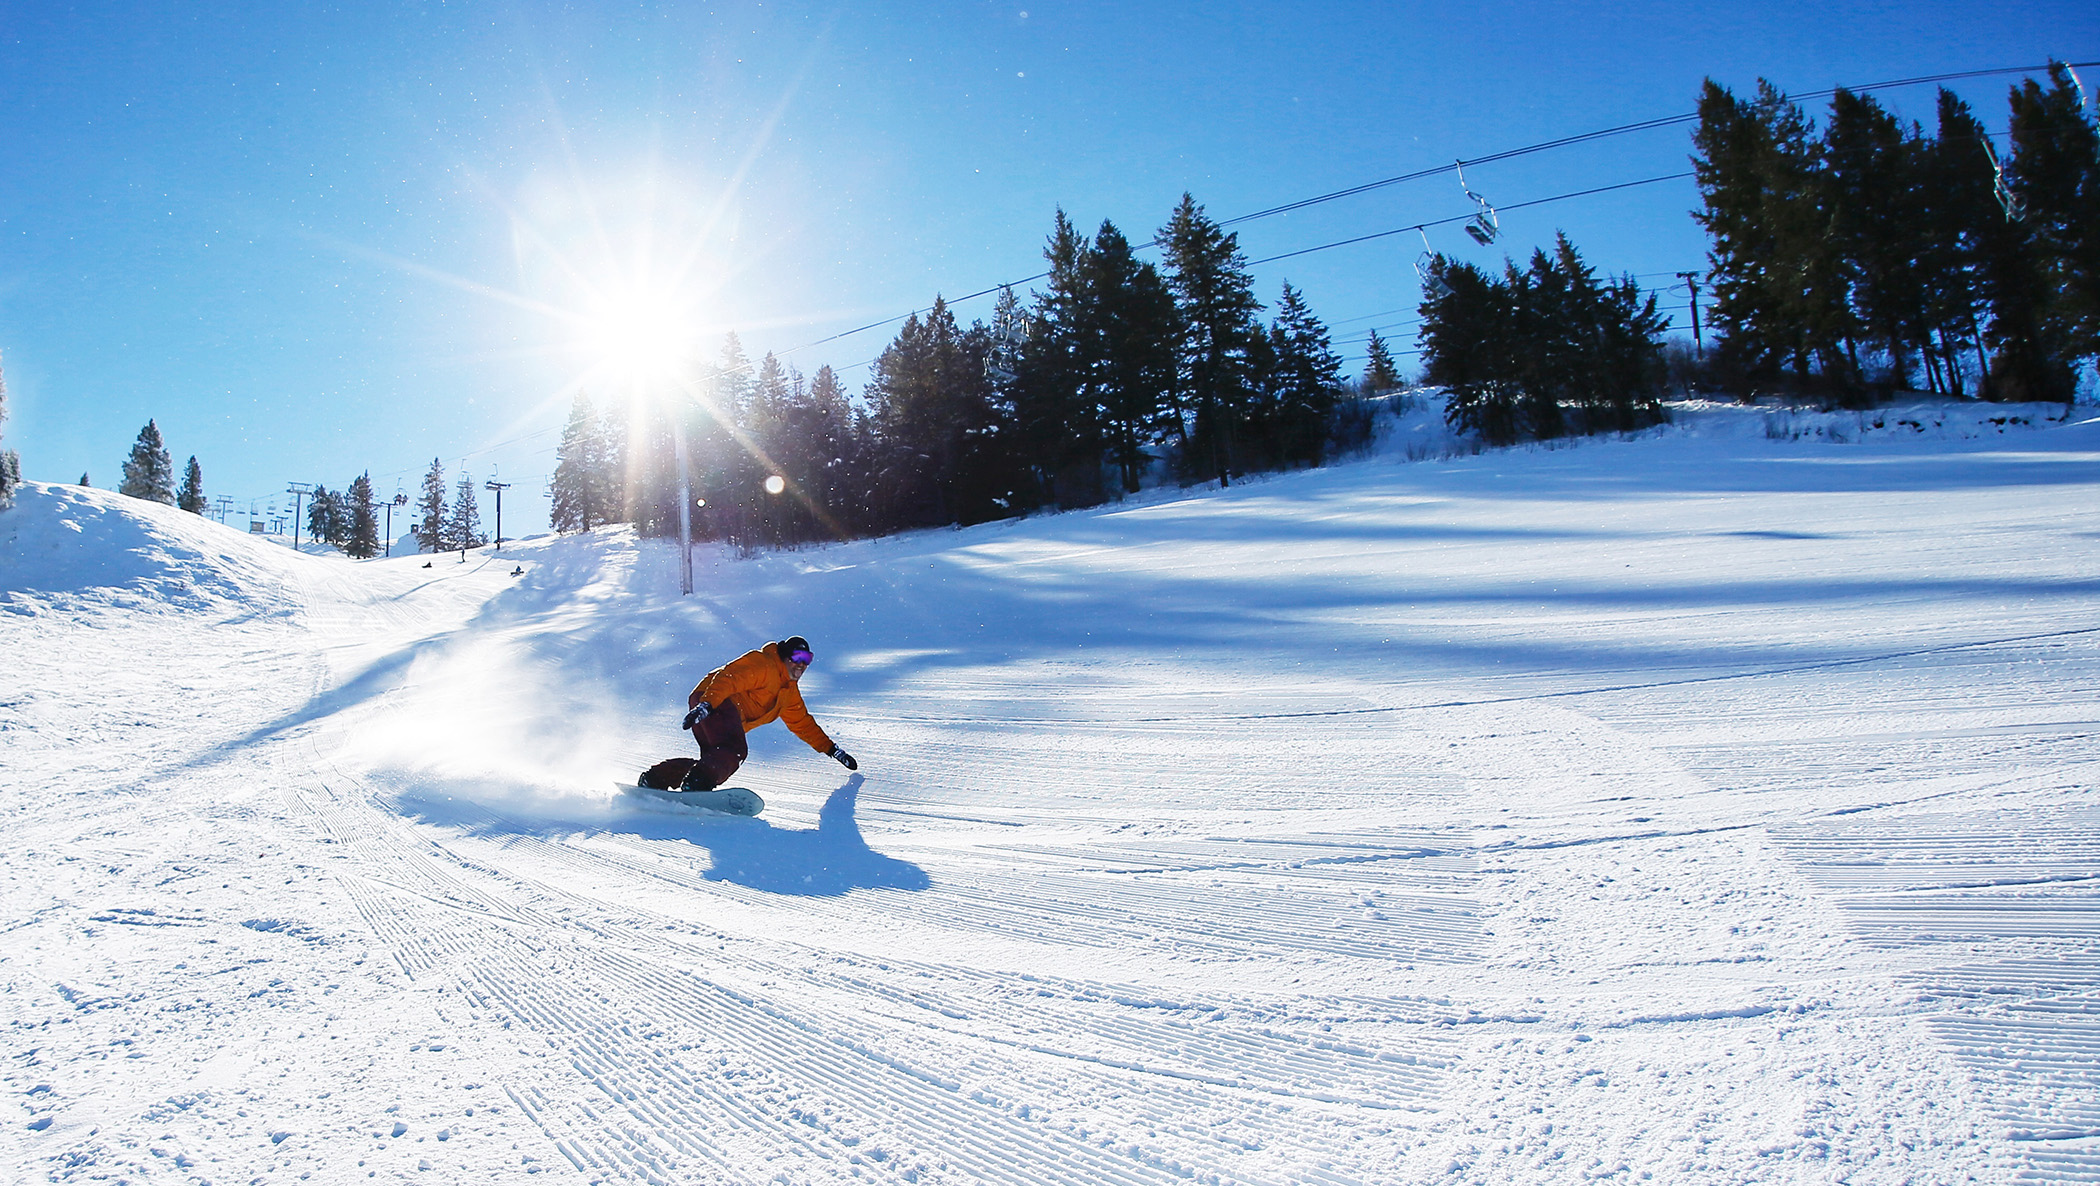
828	861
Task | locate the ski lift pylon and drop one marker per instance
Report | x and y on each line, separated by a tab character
1484	226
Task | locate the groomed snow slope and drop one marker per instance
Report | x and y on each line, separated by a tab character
1705	807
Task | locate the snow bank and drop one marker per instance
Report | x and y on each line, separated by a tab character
75	549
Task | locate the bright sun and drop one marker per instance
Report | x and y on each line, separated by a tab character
639	335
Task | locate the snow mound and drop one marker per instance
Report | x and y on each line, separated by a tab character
74	548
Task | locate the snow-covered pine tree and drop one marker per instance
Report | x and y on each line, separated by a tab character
149	472
463	526
324	517
10	462
581	488
361	540
190	496
431	512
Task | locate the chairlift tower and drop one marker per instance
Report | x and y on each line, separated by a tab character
1691	281
398	500
298	491
685	508
499	488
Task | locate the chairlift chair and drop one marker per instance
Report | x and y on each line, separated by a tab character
1006	344
1484	226
2002	188
1424	271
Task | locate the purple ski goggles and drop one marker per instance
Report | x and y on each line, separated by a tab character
802	657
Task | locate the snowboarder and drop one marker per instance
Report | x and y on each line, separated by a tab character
751	690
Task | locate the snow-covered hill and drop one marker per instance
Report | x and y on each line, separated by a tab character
1718	805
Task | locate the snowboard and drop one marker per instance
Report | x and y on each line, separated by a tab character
723	800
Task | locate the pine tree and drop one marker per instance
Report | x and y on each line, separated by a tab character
463	525
361	540
1380	375
828	457
1470	346
10	461
84	479
1595	346
1013	388
1215	305
2054	172
944	453
326	517
1874	169
725	473
1963	223
149	472
1133	313
431	511
190	497
1523	352
582	488
1780	301
1056	401
1305	375
774	518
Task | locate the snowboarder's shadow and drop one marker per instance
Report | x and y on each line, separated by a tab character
832	860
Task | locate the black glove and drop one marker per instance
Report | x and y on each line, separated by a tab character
697	715
844	759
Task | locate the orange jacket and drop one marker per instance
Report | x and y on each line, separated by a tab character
758	682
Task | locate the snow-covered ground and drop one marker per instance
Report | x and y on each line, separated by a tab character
1713	806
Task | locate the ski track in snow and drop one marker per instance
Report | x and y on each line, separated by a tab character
1697	808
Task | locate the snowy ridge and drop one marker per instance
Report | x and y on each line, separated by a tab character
77	549
1715	804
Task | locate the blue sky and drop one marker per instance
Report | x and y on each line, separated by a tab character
313	241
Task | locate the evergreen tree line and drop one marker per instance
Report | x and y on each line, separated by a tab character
1541	351
1115	369
1870	254
442	525
346	518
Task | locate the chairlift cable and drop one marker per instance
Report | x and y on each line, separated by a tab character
1509	154
1466	217
1621	130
